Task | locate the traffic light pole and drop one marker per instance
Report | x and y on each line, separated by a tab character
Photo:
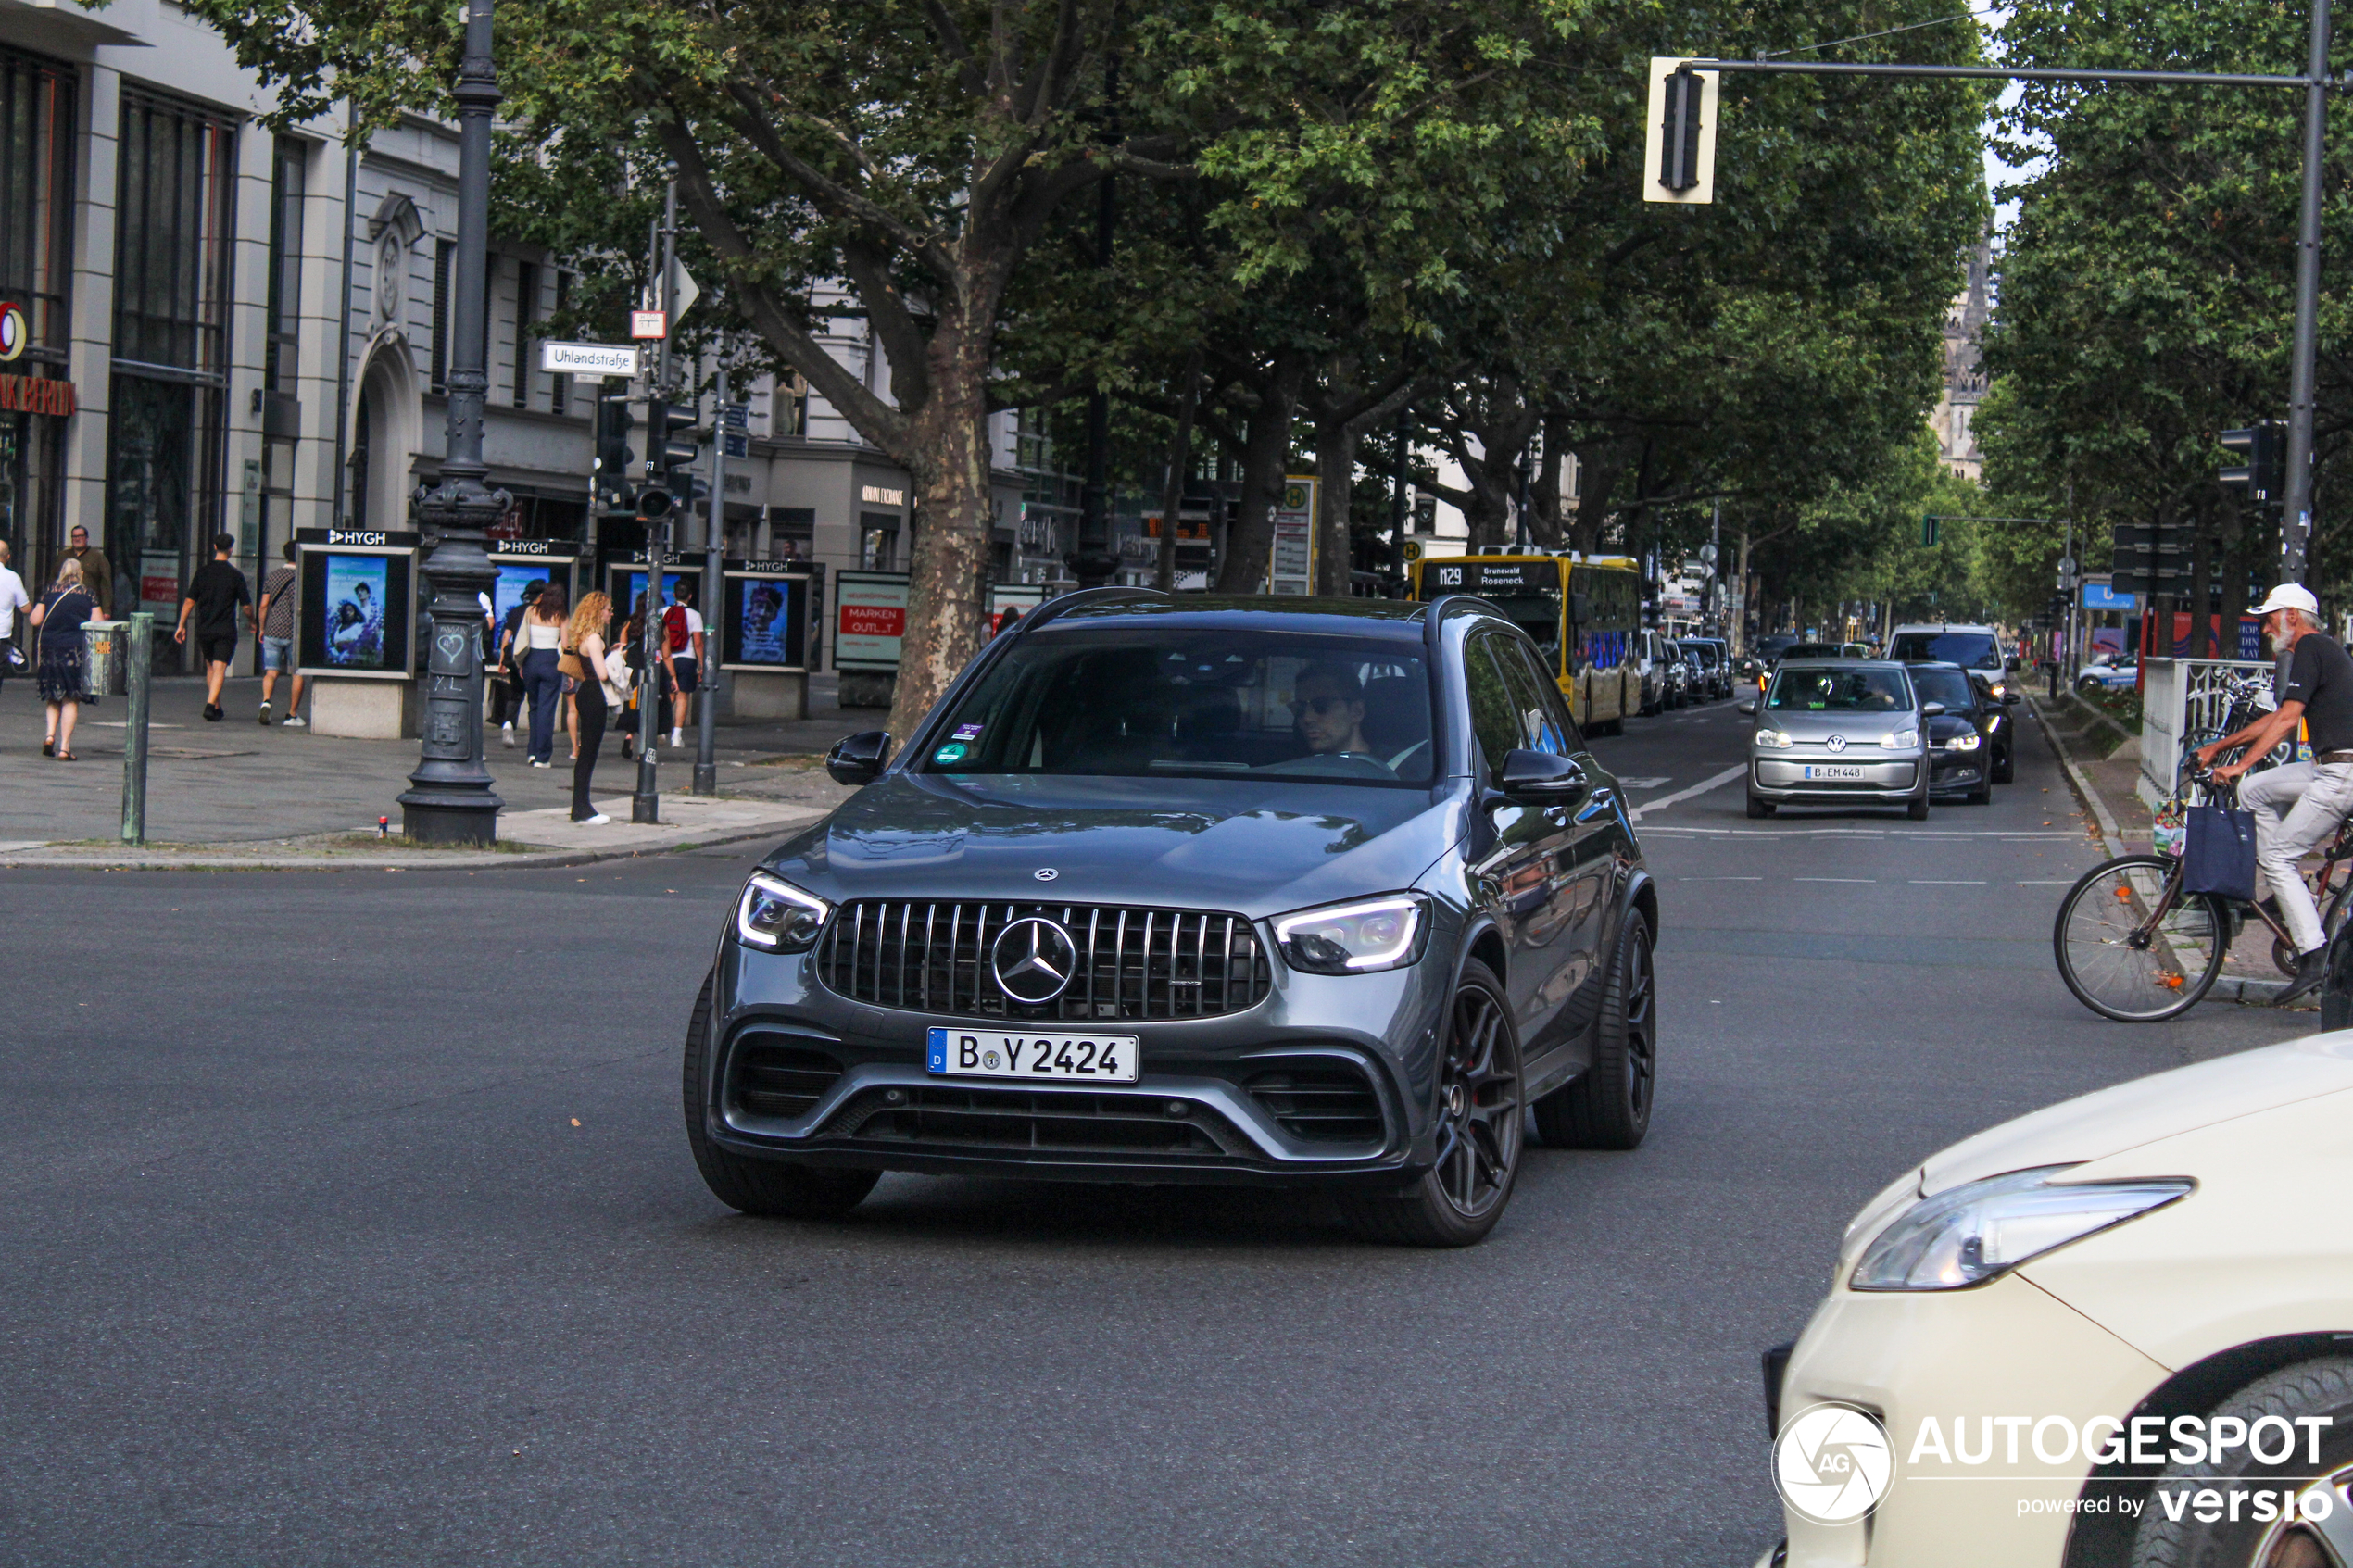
2295	527
714	593
645	801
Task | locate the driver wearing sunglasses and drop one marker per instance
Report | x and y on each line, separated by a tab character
1327	702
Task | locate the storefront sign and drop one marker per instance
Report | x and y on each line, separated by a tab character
878	496
37	395
14	332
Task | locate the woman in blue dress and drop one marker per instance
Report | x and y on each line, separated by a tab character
63	674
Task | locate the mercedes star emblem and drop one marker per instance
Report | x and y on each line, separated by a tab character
1045	873
1836	743
1034	959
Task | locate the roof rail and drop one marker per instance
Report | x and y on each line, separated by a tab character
1064	602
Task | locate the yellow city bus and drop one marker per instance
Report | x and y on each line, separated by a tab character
1584	614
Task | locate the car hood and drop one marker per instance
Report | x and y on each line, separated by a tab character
1255	847
2146	1109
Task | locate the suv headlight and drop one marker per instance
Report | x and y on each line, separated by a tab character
776	917
1967	741
1372	933
1900	740
1982	1230
1773	740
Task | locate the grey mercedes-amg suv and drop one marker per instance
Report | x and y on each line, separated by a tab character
1302	892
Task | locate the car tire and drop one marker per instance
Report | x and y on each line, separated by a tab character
1759	808
1917	810
1480	1109
1983	794
1609	1106
761	1187
2320	1387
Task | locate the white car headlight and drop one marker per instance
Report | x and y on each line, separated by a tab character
776	917
1968	742
1355	938
1981	1230
1900	740
1774	740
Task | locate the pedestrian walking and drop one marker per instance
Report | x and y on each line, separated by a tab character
541	636
506	688
682	630
216	594
12	599
652	680
97	573
279	613
64	672
585	641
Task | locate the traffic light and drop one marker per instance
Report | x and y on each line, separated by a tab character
1928	530
668	488
1678	155
614	456
2264	474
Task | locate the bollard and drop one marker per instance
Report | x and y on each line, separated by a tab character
137	660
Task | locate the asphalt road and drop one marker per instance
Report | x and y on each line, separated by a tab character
348	1219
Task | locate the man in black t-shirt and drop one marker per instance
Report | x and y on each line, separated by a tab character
216	594
2298	806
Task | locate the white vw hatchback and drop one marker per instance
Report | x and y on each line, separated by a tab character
2117	1332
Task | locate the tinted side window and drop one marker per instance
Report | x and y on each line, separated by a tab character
1494	716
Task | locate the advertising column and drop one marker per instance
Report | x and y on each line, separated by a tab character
354	621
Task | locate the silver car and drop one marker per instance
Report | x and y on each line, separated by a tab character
1839	732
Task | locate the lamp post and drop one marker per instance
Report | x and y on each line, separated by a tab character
449	799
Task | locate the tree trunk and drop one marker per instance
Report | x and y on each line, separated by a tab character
1545	513
1250	544
1336	442
1740	616
946	603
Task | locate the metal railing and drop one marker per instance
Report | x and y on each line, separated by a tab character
2182	700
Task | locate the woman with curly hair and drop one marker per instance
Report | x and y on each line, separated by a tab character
585	639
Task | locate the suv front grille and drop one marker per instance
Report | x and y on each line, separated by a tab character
1133	963
1324	1103
775	1076
1064	1122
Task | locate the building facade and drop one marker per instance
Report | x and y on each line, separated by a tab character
1954	418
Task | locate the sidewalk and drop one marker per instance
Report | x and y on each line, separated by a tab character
236	795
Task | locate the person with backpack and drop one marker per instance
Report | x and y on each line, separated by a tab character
682	630
506	688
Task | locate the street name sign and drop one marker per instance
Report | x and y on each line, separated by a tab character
590	358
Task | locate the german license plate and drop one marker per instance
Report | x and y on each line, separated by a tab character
992	1053
1846	770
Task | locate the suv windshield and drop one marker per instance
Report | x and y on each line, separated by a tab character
1149	701
1947	686
1976	649
1820	690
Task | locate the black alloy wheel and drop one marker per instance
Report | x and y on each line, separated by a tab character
1609	1106
1477	1131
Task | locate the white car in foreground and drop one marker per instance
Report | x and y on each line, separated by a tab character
2116	1332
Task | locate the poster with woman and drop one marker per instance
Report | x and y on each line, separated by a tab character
355	593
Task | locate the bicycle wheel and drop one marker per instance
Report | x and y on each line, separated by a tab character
2133	948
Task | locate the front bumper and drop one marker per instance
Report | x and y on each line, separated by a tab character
1327	1079
2003	1349
1782	778
1958	772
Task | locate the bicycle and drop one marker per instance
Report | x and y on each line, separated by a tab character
2133	945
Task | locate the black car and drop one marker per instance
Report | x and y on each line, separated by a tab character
1714	664
1962	739
1997	697
1321	894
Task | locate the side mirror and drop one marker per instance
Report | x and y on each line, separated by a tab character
1746	705
1540	775
2011	700
1581	608
1931	709
2011	664
859	759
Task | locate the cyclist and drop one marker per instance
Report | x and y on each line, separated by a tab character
2298	806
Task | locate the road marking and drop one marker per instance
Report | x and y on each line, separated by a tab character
2045	882
1947	882
1727	776
1646	784
1719	879
1868	879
